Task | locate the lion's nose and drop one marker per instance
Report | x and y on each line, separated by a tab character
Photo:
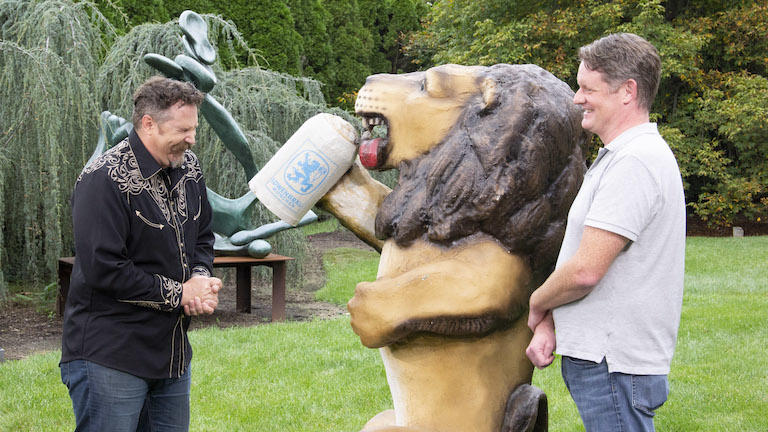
368	101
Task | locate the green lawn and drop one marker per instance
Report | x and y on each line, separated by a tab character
328	225
316	376
344	268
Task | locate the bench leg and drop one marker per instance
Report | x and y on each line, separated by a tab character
243	286
278	291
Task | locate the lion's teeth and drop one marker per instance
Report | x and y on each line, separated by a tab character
371	122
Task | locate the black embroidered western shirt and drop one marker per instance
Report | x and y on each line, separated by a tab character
140	232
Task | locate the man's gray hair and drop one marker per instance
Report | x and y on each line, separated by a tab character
623	56
157	94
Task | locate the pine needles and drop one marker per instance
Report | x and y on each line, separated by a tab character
61	64
49	52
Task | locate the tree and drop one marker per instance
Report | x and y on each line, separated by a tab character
176	7
391	21
351	44
124	14
268	28
311	21
711	100
49	54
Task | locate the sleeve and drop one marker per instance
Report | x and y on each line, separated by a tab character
202	264
626	199
101	225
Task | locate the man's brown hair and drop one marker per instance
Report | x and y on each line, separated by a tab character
157	94
623	56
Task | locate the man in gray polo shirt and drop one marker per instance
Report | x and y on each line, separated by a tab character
612	306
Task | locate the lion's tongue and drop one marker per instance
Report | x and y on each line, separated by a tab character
369	152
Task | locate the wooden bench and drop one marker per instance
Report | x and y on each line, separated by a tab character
242	267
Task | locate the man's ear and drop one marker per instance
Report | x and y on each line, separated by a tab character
147	123
629	89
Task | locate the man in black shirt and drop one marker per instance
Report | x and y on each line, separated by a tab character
144	255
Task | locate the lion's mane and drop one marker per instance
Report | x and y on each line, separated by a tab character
509	170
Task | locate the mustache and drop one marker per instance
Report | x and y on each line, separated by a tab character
181	146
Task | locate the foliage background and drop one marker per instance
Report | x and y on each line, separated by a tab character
62	64
711	105
64	61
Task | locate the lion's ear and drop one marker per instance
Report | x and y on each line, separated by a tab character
489	94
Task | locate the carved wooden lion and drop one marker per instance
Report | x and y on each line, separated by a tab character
490	160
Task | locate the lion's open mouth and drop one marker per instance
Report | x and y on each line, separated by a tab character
373	150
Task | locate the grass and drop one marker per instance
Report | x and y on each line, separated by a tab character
328	225
719	374
316	376
344	268
282	377
285	377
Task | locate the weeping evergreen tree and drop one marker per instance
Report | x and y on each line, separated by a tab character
58	75
49	54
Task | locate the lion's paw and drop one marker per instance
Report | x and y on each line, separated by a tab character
526	410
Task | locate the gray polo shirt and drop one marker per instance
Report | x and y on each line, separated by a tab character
633	189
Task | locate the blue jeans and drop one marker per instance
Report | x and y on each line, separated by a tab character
105	399
613	401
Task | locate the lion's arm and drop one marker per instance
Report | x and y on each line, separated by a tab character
354	201
462	295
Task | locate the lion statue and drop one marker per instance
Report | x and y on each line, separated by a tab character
489	159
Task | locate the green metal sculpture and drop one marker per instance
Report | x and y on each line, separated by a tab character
235	233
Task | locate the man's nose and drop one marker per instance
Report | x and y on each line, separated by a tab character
190	139
578	98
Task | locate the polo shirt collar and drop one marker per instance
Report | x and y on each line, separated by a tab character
628	135
623	140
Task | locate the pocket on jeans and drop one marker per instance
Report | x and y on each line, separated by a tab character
582	362
649	392
64	369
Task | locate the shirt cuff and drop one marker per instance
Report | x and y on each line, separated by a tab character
170	296
200	271
170	291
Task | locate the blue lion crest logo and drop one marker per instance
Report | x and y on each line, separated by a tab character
306	172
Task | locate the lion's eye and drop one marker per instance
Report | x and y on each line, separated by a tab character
423	84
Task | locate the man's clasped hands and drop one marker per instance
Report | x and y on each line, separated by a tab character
200	295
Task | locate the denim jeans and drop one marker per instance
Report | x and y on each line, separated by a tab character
105	399
613	401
